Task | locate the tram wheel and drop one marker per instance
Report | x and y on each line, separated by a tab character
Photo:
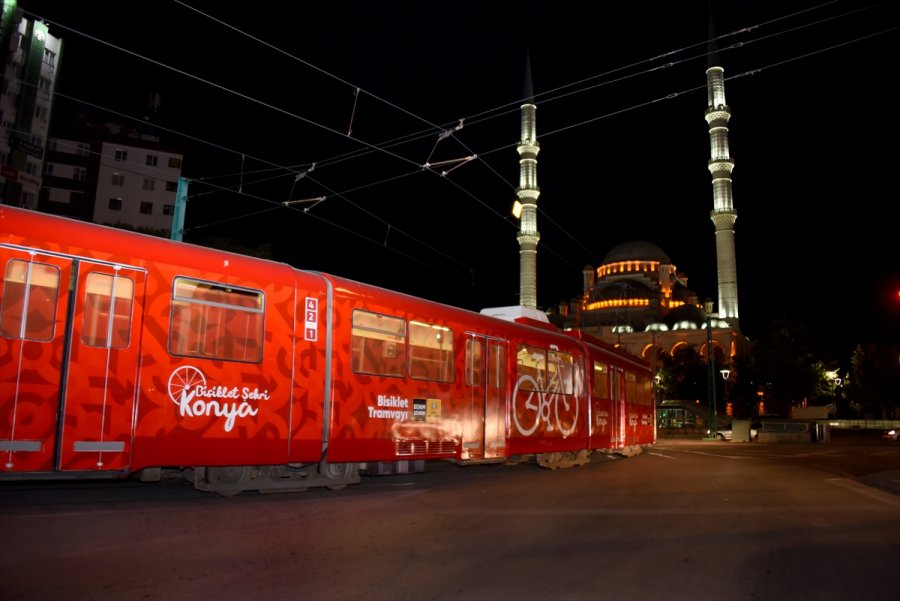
226	477
341	473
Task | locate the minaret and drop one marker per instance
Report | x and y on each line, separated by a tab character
721	165
527	194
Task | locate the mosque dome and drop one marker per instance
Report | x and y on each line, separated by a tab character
637	250
687	316
620	290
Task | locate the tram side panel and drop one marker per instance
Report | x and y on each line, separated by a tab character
397	388
230	360
34	306
307	364
161	354
405	384
603	414
548	410
218	358
646	410
71	324
622	411
101	386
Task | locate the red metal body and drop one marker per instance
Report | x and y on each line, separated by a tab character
121	352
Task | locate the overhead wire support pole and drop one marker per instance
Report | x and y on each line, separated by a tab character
315	201
457	162
461	162
443	136
353	112
711	380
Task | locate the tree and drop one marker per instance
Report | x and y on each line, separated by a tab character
685	374
783	367
743	387
874	388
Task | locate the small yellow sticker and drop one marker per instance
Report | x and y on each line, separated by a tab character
433	413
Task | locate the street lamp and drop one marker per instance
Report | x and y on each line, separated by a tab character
710	367
835	378
725	373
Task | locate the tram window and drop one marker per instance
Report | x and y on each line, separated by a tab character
474	362
378	344
601	381
640	388
215	321
107	312
430	352
631	388
30	292
531	364
562	372
646	388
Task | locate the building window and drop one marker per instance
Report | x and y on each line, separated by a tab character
171	186
40	112
115	204
49	57
151	160
118	179
30	168
44	85
175	163
149	183
168	209
59	195
121	155
79	174
49	169
146	208
84	149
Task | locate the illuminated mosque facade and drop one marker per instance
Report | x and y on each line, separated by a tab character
637	299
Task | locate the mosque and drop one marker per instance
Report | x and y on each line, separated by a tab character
637	299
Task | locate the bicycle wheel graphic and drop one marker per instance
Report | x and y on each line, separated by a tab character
568	419
531	412
183	380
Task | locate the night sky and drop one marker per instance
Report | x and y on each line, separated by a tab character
364	90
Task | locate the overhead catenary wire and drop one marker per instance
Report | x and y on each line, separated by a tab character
445	133
582	123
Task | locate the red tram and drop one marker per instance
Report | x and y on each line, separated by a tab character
123	354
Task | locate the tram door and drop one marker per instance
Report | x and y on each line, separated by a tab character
617	394
484	434
68	362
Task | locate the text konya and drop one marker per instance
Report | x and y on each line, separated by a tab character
196	399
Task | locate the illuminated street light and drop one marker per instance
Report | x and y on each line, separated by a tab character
725	373
834	376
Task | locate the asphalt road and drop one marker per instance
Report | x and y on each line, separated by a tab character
683	521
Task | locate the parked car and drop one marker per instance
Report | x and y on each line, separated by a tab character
891	434
727	433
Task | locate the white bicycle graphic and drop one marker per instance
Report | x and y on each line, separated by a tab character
540	404
183	380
